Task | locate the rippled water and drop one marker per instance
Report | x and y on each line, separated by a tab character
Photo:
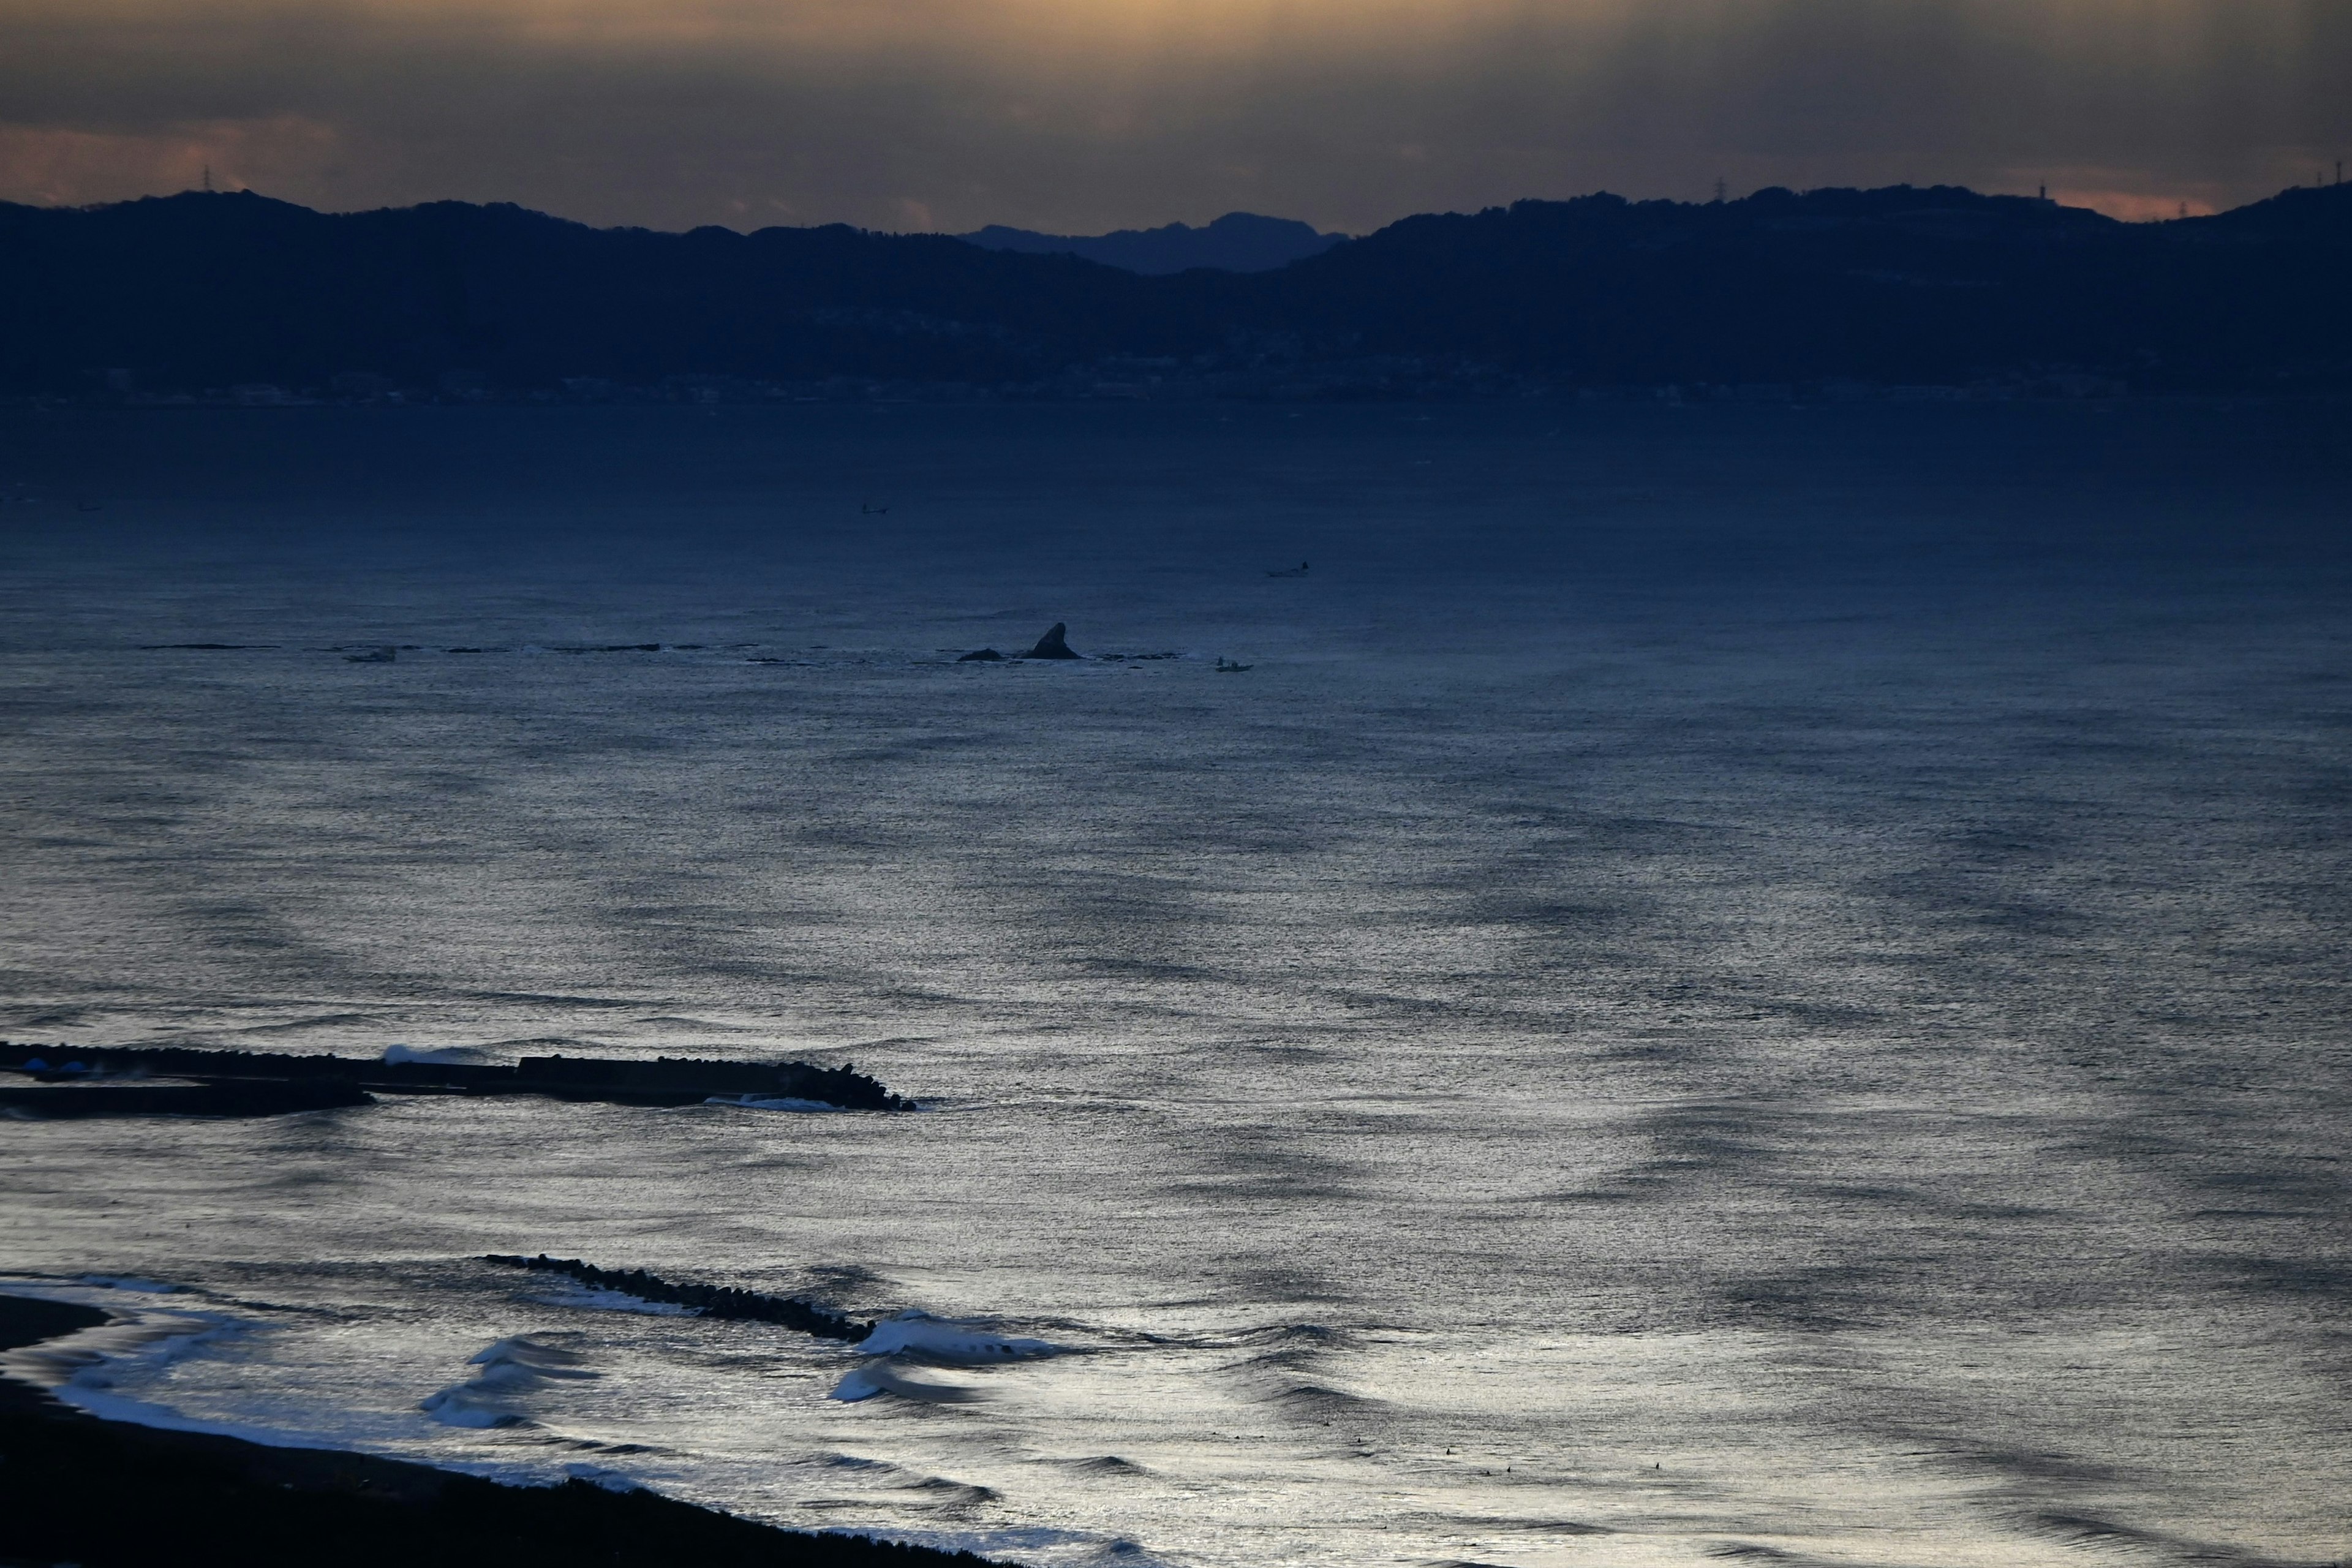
1729	982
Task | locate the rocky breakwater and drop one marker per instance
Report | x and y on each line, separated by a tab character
256	1083
709	1300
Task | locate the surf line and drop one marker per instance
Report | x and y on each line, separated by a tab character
711	1300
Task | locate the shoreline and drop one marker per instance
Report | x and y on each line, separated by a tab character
114	1494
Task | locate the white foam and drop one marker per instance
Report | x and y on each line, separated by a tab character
936	1339
395	1055
597	1476
78	1360
528	1356
462	1405
82	1368
108	1406
859	1382
602	1298
126	1282
878	1376
766	1102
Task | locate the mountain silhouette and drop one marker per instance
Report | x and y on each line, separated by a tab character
1898	285
1237	242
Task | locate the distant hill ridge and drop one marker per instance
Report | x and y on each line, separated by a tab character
1237	242
1898	285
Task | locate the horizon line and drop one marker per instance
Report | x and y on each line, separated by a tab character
2186	209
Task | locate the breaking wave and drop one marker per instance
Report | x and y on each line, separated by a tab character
511	1368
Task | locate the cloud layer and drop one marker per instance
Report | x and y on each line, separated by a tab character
1080	115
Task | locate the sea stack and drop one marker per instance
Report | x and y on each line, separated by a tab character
1052	644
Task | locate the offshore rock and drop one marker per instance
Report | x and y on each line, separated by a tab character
1053	645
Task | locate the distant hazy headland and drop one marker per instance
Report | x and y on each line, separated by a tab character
1237	242
236	295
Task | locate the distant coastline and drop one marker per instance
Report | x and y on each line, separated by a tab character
1895	292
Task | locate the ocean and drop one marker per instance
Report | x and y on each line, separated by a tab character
1728	982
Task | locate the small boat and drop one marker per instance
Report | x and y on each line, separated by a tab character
1227	666
1297	571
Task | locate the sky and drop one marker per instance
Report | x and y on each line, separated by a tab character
1079	116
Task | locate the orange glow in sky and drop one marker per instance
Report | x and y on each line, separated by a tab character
1085	114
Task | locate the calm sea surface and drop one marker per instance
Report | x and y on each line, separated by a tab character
1728	982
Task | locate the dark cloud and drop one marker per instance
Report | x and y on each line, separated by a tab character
1085	114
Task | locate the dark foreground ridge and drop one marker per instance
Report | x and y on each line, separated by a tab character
256	1083
711	1300
109	1495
